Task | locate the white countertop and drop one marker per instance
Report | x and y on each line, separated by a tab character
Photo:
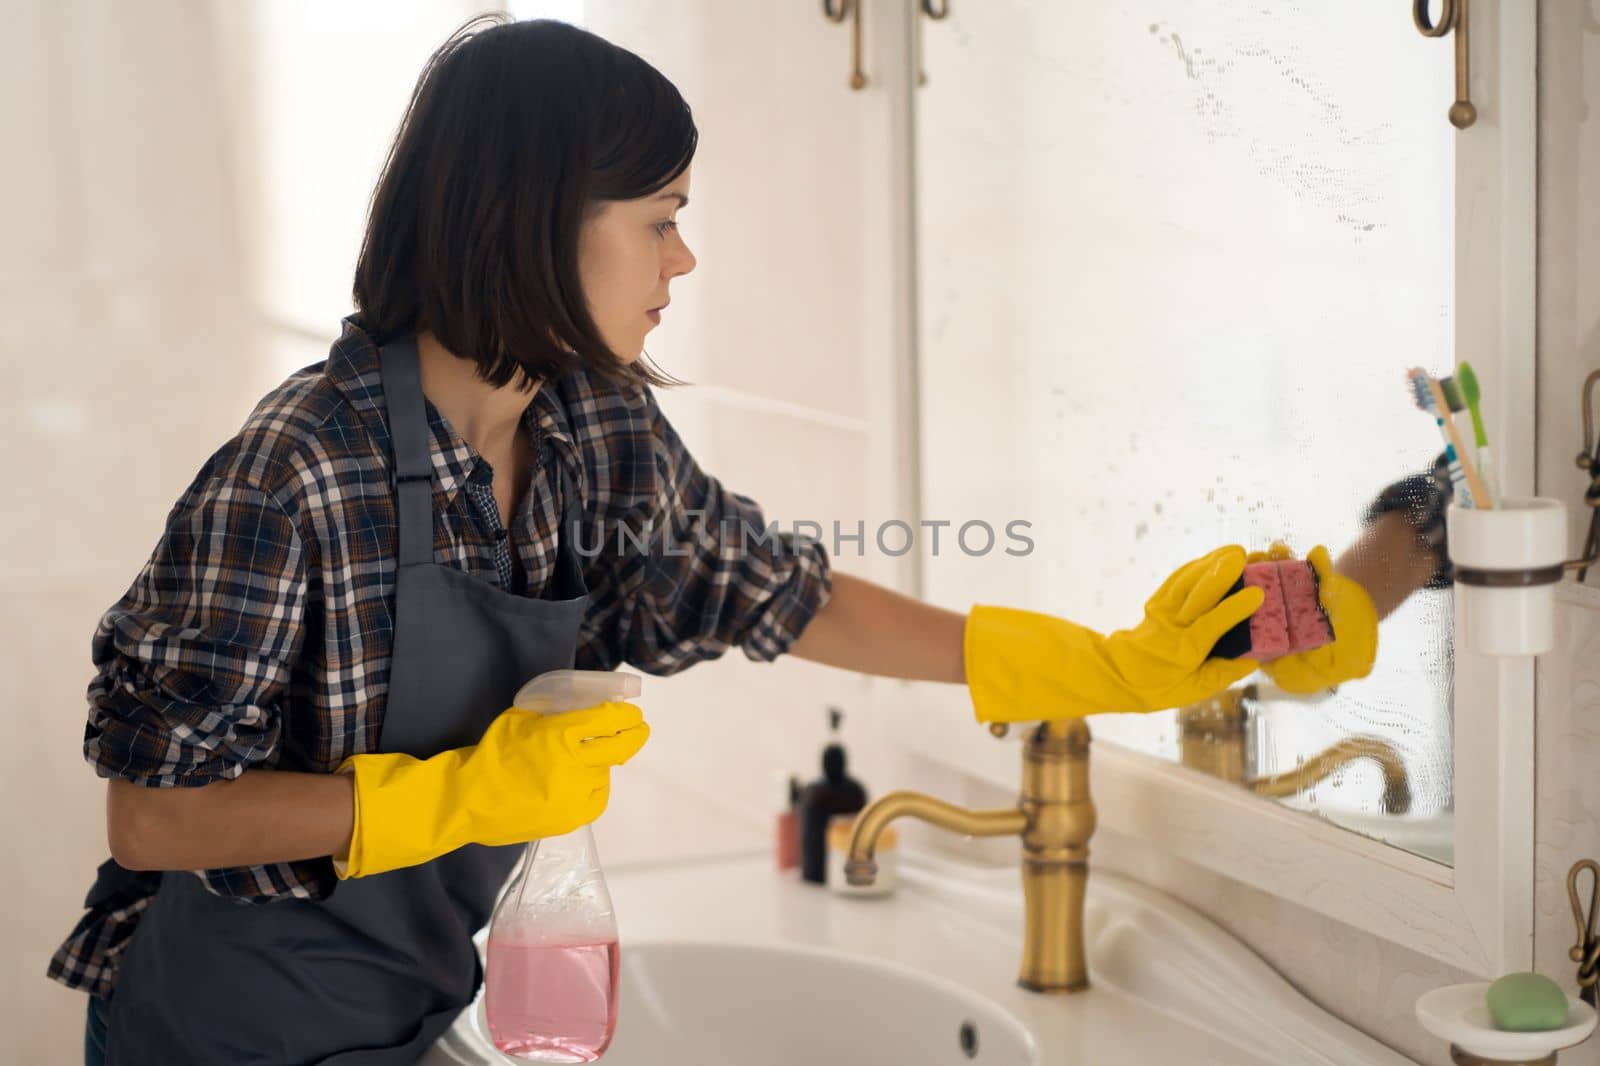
1167	985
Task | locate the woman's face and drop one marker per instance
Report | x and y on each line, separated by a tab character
627	255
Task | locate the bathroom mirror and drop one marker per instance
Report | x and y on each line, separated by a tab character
1172	265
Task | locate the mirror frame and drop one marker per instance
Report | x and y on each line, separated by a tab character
1478	914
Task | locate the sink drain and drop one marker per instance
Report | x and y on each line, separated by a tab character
969	1040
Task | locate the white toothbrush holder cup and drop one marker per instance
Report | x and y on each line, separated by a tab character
1508	561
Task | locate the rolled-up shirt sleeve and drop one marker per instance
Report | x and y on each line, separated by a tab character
682	568
193	660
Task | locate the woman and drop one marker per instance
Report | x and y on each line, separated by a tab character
303	697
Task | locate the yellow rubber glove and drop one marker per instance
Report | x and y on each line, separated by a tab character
1023	666
530	776
1355	630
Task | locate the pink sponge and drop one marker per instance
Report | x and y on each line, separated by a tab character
1290	618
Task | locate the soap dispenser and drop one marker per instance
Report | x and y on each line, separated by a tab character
834	793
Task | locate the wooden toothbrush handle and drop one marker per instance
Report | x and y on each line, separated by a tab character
1480	494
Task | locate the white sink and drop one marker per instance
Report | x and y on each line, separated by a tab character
727	962
708	1004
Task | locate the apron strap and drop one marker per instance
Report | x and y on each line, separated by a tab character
569	560
410	438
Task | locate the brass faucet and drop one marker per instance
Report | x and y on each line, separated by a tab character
1213	737
1055	819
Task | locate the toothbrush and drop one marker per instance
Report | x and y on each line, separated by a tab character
1424	401
1454	389
1429	397
1452	398
1468	381
1480	492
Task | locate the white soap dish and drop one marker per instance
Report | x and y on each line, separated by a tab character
1459	1014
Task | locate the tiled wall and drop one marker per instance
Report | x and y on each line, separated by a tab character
120	308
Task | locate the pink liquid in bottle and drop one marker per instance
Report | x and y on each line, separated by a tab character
551	1002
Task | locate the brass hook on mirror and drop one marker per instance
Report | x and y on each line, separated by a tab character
1589	462
849	9
1586	952
1452	16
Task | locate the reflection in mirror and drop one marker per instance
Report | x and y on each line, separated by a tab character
1172	264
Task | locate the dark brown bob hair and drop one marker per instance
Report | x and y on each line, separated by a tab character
515	133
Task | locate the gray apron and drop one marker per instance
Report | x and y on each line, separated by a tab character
374	974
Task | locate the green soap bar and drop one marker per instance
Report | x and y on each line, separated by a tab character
1527	1003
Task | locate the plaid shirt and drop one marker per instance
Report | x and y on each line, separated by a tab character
259	633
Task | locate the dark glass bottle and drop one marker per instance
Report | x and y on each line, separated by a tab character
834	793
